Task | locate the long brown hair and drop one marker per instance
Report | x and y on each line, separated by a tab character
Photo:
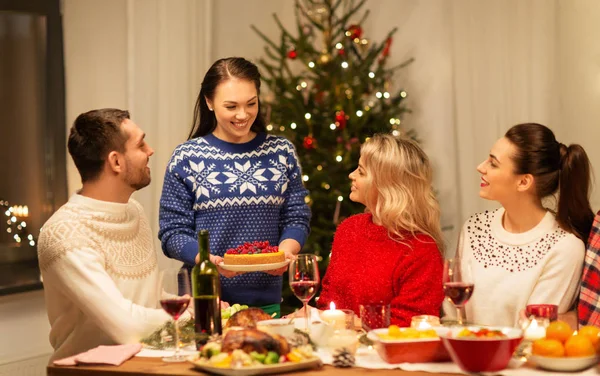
556	167
222	70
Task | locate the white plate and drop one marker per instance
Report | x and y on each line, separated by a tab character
255	267
256	370
564	364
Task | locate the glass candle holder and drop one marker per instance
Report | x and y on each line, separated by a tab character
424	322
343	339
375	316
349	322
533	329
336	318
548	311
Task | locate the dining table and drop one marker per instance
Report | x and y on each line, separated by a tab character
141	366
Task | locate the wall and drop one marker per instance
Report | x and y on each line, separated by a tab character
578	83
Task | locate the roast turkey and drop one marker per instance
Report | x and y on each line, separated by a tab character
250	340
247	318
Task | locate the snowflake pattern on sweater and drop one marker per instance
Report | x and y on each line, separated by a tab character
239	192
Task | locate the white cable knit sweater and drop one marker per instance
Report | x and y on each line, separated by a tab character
542	265
100	273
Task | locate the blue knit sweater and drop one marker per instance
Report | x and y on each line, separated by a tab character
241	193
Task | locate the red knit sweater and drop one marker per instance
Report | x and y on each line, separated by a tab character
367	266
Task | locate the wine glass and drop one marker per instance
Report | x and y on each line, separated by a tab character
458	284
175	305
304	280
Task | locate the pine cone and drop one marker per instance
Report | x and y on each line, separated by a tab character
343	358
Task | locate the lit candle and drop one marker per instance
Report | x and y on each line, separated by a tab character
25	211
424	322
534	331
334	317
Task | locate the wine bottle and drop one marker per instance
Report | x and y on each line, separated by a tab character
206	288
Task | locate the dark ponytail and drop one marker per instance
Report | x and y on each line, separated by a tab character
574	213
222	70
556	167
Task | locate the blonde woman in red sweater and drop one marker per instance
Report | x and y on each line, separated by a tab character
392	252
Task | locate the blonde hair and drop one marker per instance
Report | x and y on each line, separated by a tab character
399	191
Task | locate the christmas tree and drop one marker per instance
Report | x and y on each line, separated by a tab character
329	89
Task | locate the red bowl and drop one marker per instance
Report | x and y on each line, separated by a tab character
421	350
481	354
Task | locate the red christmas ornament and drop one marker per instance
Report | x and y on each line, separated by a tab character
341	52
309	142
319	97
386	49
354	31
292	54
340	119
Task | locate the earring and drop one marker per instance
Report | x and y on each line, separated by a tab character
210	109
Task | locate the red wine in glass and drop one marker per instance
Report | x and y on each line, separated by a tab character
304	290
304	279
458	284
458	292
175	307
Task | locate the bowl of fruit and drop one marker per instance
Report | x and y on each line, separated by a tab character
564	350
409	345
481	349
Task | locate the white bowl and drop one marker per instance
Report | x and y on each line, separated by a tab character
567	364
283	327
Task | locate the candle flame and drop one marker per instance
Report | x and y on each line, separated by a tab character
332	306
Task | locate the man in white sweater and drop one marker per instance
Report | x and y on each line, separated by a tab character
96	254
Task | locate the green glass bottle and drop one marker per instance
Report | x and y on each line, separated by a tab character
206	287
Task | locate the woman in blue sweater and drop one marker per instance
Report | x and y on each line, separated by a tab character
235	180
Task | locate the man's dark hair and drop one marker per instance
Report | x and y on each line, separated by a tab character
93	136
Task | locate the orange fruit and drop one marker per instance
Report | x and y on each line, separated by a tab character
579	345
591	332
548	347
559	330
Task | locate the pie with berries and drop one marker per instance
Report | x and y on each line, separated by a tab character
254	253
